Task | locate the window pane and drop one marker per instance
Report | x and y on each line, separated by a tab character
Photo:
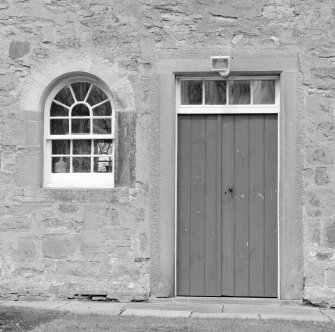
60	164
59	126
102	126
239	92
65	96
104	109
82	146
61	147
80	90
80	126
58	110
263	92
215	92
81	165
191	92
96	96
103	146
80	110
103	165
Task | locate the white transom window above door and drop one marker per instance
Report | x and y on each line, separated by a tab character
79	135
232	95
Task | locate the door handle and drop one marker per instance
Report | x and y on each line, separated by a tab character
230	189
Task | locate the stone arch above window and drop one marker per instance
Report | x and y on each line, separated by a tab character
79	134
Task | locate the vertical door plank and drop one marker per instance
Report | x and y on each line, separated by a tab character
228	205
242	205
271	235
211	203
183	205
198	175
256	205
219	205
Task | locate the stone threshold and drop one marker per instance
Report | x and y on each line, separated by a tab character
229	300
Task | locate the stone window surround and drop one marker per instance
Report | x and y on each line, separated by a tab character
85	180
35	89
290	220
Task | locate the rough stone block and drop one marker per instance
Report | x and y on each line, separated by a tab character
28	250
315	274
60	245
320	203
29	170
17	49
11	223
126	161
319	155
330	277
329	234
318	105
321	176
92	243
79	269
68	208
33	132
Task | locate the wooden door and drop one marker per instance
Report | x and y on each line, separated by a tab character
227	205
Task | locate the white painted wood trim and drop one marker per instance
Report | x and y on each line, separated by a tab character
76	180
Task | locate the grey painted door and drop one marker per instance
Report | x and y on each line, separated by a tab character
227	205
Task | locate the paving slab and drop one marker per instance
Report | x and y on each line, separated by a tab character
315	317
330	313
156	313
109	308
271	309
51	305
225	315
178	306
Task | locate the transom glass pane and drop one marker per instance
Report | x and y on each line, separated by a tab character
60	165
102	126
65	96
215	92
80	110
191	92
82	146
59	126
81	164
239	92
80	89
58	110
61	147
96	96
263	92
103	110
80	126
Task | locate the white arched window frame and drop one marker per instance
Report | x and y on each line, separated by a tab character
79	135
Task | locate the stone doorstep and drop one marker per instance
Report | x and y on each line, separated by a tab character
229	300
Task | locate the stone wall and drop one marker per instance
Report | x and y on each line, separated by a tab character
58	243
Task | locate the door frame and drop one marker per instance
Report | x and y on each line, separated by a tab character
290	157
229	110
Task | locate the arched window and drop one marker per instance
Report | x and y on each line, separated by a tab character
79	117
